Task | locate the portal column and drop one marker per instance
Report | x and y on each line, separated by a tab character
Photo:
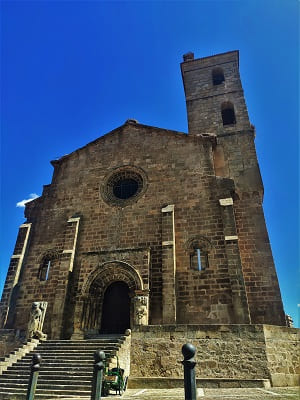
168	266
141	307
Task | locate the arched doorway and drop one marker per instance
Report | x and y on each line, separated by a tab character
116	308
94	314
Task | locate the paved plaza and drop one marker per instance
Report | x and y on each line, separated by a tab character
290	393
214	394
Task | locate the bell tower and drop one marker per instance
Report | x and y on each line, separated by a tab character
216	105
214	94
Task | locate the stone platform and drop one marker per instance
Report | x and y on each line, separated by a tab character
172	383
232	352
213	394
291	393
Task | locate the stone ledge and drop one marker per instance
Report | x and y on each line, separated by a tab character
168	383
200	327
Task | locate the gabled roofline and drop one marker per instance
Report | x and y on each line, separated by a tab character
134	124
118	129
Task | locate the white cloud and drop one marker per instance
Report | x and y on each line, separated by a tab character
22	203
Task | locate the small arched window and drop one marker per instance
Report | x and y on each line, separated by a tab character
199	259
218	76
46	264
228	114
45	269
199	249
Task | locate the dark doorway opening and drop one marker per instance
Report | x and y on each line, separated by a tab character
116	309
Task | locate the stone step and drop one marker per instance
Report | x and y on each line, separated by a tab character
82	348
63	360
85	342
75	348
60	387
13	378
64	353
74	381
59	361
47	386
49	368
15	384
66	348
46	373
61	396
46	379
65	392
56	363
56	366
22	396
70	356
48	393
11	391
58	396
93	337
80	342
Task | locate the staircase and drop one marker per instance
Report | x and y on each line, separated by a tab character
66	368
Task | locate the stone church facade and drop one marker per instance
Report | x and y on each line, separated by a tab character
148	226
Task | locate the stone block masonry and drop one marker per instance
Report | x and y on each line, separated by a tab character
223	351
283	354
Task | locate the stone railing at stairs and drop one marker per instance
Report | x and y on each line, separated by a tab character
123	354
17	354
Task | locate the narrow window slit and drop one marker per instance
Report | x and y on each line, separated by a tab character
199	259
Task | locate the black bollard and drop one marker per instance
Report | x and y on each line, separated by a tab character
34	373
99	357
190	390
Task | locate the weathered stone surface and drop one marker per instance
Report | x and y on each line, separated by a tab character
239	351
223	351
283	349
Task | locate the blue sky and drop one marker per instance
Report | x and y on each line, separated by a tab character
72	71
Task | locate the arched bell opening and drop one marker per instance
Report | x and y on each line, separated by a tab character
228	113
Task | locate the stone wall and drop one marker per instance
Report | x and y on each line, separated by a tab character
223	351
282	346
